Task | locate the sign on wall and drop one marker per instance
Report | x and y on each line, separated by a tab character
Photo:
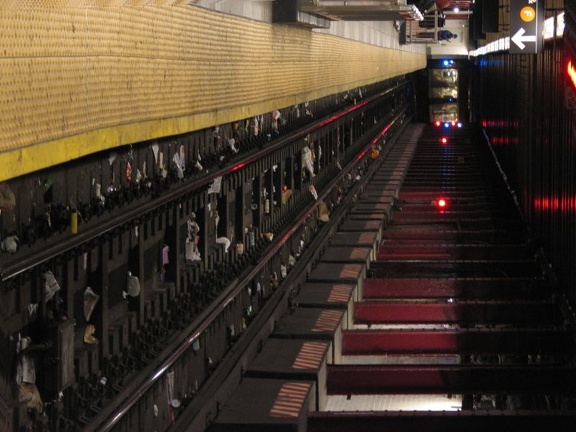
526	24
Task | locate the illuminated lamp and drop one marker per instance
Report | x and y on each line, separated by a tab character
444	140
446	124
437	123
459	124
441	204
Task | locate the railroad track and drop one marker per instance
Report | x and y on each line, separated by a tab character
240	298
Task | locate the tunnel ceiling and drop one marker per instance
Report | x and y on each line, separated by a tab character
375	10
363	10
318	13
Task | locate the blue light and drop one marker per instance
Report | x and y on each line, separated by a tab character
446	124
446	63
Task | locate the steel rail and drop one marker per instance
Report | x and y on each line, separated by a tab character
20	264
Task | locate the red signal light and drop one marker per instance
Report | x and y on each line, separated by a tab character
437	123
444	140
441	204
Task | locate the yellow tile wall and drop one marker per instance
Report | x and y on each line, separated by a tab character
80	76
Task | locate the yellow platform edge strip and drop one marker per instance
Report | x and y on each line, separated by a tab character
26	160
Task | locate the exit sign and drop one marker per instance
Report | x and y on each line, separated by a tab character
526	25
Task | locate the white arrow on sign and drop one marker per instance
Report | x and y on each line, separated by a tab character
519	38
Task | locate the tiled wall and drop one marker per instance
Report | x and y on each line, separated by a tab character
83	79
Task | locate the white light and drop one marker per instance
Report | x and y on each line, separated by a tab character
456	9
504	43
549	27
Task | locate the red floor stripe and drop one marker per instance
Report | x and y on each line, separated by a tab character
351	270
328	321
340	294
290	400
310	355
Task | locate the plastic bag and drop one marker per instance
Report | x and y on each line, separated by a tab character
90	300
132	286
51	286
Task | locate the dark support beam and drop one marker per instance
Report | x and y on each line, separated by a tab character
439	250
451	379
469	421
526	313
492	288
497	341
456	268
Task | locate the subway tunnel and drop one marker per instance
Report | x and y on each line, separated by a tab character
287	215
